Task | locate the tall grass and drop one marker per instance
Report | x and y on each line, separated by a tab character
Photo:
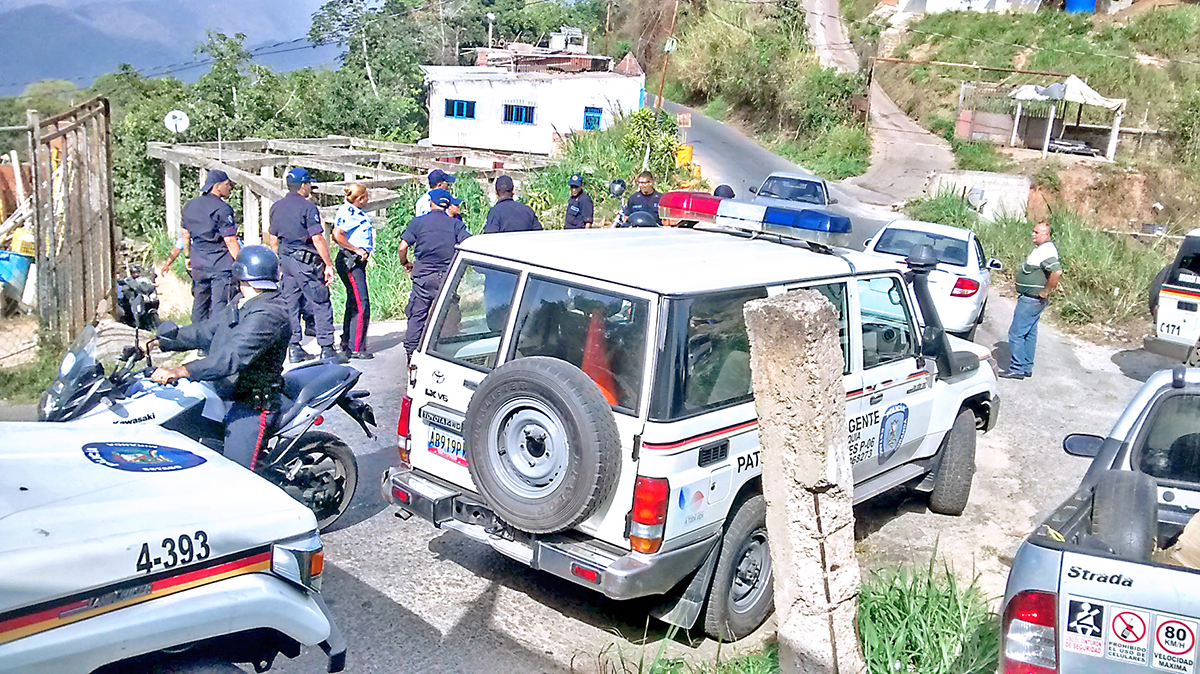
978	155
1106	277
924	620
840	152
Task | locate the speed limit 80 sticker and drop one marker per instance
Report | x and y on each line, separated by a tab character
1174	644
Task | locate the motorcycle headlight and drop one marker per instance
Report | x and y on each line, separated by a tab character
300	561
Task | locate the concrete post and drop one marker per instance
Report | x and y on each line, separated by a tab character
1012	140
795	358
266	203
1111	154
1049	130
349	176
172	196
251	222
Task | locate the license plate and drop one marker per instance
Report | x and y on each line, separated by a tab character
447	445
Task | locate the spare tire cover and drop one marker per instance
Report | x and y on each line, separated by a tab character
542	445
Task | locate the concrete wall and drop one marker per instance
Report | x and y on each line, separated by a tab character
558	105
993	126
1004	193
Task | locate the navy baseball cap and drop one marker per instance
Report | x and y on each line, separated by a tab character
504	184
575	181
442	197
298	176
438	176
214	176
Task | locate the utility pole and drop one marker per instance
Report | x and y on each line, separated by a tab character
608	22
667	60
491	17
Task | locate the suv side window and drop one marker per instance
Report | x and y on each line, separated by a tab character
601	333
887	332
473	316
718	351
1171	450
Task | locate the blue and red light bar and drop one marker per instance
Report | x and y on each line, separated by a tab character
701	207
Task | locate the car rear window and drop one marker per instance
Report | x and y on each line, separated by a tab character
601	333
473	316
900	241
1171	444
794	189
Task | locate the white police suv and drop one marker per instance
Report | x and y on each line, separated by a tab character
581	401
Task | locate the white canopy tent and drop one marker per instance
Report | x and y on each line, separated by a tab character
1071	90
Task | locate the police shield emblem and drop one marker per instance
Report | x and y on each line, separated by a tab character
891	430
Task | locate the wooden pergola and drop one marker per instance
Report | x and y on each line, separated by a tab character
259	165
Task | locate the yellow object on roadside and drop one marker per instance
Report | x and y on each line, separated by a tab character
683	155
23	241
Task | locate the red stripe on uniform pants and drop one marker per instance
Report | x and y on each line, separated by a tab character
262	427
358	330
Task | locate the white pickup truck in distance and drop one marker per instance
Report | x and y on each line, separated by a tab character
1109	583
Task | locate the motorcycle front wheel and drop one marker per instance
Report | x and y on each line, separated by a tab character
325	475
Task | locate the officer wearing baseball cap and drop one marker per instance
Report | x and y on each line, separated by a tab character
299	238
210	235
509	215
579	205
438	180
432	238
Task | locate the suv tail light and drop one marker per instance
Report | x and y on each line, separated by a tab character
402	429
1029	636
964	287
651	496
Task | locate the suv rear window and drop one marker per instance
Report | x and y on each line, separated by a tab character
706	361
473	317
601	333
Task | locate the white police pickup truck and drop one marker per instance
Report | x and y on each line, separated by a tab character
1091	591
582	402
130	547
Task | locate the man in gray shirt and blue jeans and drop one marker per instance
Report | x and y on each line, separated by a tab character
1035	279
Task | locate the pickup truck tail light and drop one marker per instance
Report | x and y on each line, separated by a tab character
651	496
964	287
402	429
1029	638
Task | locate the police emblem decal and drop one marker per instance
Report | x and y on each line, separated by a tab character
140	457
891	430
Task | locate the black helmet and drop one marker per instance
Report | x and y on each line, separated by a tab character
616	187
642	219
257	266
723	191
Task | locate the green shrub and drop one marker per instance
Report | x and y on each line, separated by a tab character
978	155
840	152
717	108
24	383
1046	176
924	620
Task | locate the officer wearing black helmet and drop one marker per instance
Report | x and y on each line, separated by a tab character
247	343
212	243
298	236
579	205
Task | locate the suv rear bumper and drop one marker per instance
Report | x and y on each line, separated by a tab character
618	573
1165	347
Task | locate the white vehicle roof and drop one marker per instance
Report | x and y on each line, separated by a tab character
77	500
672	261
931	227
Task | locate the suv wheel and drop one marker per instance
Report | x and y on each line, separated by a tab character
542	444
952	484
742	594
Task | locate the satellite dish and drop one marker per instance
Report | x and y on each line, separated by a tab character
976	198
176	121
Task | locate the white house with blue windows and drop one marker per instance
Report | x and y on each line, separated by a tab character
494	108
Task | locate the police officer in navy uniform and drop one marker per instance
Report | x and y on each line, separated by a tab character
246	342
432	238
645	200
299	238
509	215
213	244
579	205
438	180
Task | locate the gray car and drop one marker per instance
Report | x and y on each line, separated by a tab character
793	189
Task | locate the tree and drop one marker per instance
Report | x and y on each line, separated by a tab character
50	97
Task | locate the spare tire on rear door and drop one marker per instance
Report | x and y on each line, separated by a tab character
542	444
1125	513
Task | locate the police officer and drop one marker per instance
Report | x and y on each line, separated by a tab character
579	206
432	238
645	200
438	180
213	243
246	342
297	234
509	215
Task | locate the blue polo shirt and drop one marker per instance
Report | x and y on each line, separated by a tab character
433	237
509	215
208	220
295	221
356	225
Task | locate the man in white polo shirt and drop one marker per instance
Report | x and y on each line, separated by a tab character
1035	279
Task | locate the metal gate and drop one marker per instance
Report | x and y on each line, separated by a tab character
76	253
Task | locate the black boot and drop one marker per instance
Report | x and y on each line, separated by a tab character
327	352
297	354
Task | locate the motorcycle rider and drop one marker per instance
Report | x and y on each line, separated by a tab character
247	342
